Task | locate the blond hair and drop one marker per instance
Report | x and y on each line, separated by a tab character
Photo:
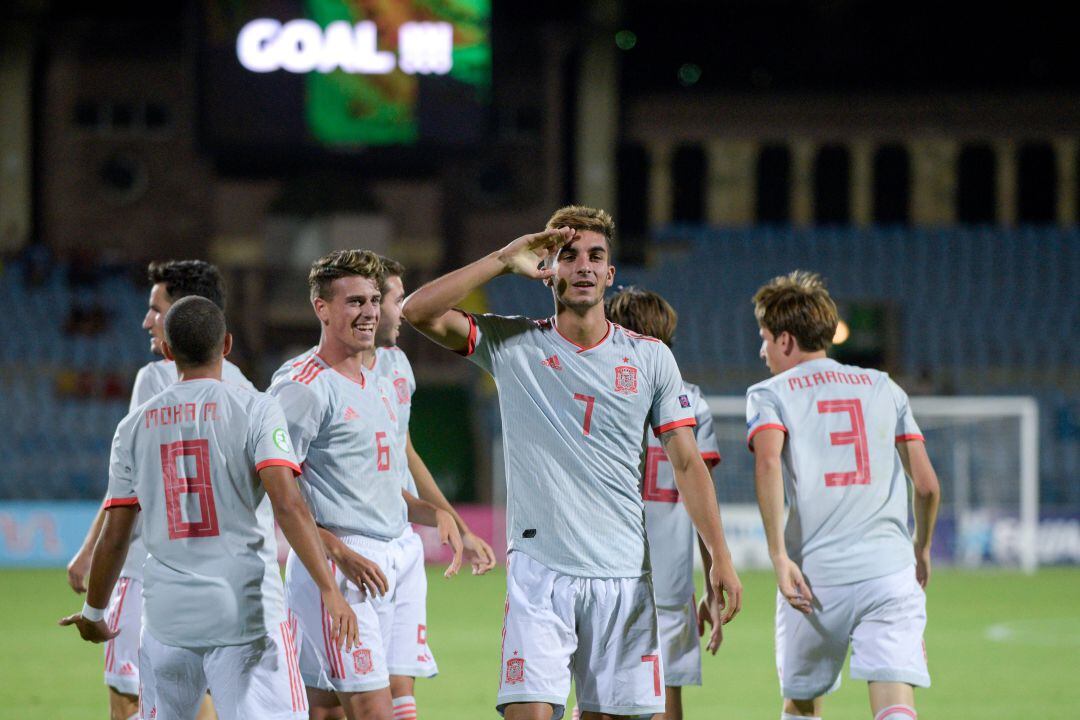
799	304
579	217
643	312
343	263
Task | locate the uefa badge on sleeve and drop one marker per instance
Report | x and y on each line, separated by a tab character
626	380
684	401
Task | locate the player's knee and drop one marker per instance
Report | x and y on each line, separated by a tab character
896	712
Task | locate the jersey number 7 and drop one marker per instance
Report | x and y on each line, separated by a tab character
855	436
179	484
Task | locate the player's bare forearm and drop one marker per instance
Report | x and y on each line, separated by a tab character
110	551
769	486
420	511
79	565
431	308
294	518
927	495
94	532
696	488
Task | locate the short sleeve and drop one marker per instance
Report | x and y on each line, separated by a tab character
705	433
762	413
906	427
148	383
303	414
489	333
671	404
121	490
270	439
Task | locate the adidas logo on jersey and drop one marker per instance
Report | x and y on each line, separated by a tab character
350	414
552	362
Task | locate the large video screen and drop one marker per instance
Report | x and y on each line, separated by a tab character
344	74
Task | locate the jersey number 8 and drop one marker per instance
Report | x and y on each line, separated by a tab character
178	484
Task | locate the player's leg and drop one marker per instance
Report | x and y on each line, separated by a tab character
173	680
618	667
408	654
681	650
260	679
810	649
124	613
539	640
324	705
887	642
206	709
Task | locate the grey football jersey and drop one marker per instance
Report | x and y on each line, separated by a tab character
189	458
845	485
151	379
392	365
344	433
574	422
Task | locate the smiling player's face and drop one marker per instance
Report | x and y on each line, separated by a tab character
351	315
583	270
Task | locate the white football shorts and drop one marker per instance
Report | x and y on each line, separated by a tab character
124	613
407	649
603	631
258	680
883	619
679	644
322	663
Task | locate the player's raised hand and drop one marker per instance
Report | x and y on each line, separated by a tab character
363	573
344	631
449	535
709	614
91	631
532	255
78	569
728	591
792	585
483	557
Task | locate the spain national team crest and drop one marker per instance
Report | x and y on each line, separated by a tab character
626	380
402	387
362	661
515	670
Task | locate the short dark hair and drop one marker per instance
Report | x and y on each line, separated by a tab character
195	330
183	278
391	268
343	263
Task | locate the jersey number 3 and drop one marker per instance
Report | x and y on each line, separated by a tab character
187	519
855	436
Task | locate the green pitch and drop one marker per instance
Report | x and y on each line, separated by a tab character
1001	645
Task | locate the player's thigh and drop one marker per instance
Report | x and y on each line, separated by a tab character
324	664
173	679
680	646
887	641
408	653
618	667
324	705
539	639
124	613
122	706
810	649
260	679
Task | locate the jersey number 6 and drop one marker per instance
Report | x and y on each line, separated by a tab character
855	436
190	455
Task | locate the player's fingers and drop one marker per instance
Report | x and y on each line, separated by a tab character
701	623
716	638
354	631
804	589
455	564
382	585
75	580
69	620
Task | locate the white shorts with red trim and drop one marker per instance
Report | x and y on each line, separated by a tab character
323	665
260	679
679	644
883	619
124	613
407	650
602	631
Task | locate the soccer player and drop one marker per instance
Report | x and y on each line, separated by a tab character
576	394
211	466
842	441
344	425
169	282
670	531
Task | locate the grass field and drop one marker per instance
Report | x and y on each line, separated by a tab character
1001	645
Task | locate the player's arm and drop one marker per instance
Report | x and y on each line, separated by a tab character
927	498
428	489
109	554
431	308
79	566
294	519
769	485
424	513
364	573
696	488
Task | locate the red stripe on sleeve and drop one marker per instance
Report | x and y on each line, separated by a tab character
470	342
685	422
766	426
279	462
712	459
910	438
121	502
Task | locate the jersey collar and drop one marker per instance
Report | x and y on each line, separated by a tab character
581	348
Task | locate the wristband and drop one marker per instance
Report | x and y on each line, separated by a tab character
92	614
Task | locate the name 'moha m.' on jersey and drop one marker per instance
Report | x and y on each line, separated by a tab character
189	458
574	420
345	434
845	484
671	532
151	379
